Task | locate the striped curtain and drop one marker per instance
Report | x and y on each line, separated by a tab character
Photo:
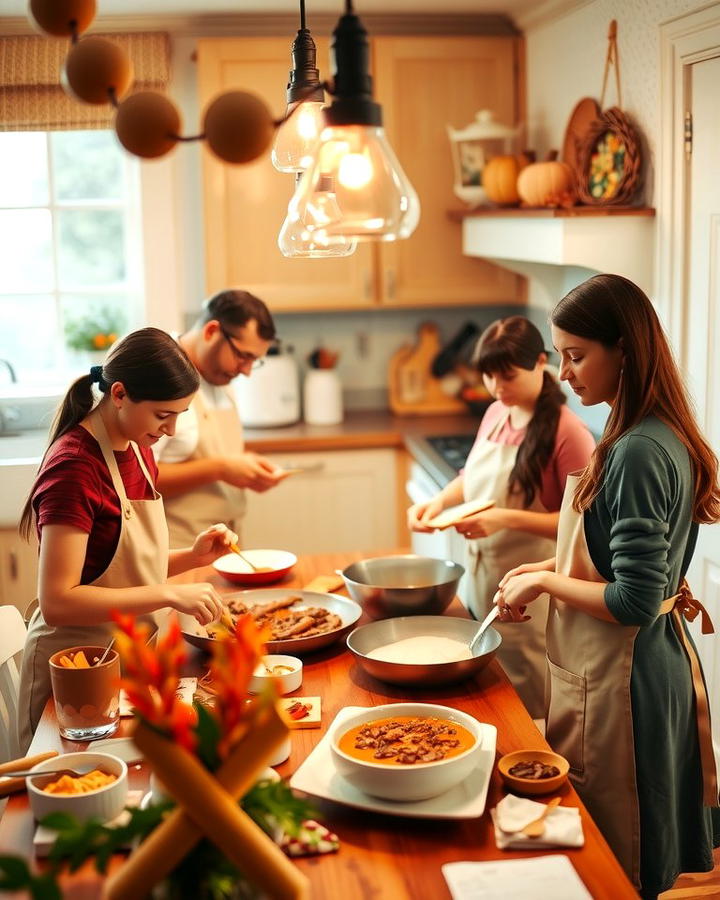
31	98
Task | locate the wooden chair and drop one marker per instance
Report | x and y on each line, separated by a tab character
12	642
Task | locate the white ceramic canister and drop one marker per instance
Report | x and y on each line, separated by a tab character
322	397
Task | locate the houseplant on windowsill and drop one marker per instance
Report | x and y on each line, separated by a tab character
207	758
89	336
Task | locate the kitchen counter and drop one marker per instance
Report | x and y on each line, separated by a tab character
381	856
359	430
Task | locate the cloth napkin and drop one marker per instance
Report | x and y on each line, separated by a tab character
563	826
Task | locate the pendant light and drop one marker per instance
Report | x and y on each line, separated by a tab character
375	200
299	133
303	234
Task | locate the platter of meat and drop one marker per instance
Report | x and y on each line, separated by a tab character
299	621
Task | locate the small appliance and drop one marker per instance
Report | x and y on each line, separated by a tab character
270	396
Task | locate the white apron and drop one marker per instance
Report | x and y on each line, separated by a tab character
219	434
589	717
522	652
141	557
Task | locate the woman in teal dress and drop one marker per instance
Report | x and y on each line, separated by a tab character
627	704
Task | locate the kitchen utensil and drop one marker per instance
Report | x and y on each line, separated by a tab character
71	772
445	361
484	625
413	389
537	826
403	585
454	514
235	549
348	611
107	650
12	785
382	632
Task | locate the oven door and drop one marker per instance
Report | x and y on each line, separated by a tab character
447	544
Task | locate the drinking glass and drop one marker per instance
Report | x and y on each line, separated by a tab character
87	701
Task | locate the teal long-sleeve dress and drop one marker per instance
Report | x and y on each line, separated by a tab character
641	538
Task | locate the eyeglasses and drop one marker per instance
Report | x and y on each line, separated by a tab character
242	356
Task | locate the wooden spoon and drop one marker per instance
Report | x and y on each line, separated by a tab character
236	549
537	827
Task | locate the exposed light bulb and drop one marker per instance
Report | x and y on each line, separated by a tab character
374	200
304	235
297	136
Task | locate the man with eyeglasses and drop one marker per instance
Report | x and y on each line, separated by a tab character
204	468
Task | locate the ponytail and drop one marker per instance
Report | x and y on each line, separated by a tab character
536	450
76	404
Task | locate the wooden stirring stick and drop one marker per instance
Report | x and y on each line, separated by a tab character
12	785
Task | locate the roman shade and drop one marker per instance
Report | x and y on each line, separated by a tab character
31	98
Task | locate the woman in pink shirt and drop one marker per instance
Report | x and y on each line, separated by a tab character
527	444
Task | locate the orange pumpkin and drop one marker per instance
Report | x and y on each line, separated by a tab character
546	184
500	177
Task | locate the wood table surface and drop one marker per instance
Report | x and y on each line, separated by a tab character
381	857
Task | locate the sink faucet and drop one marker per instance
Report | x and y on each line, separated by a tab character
11	371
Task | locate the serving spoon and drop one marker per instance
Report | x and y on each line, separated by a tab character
484	625
235	549
537	827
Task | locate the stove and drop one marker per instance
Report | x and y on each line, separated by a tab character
454	449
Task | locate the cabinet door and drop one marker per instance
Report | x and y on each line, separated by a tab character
425	84
18	569
245	205
346	500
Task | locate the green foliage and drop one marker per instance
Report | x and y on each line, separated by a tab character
208	734
15	875
272	805
95	330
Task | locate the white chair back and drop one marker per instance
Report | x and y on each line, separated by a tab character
12	643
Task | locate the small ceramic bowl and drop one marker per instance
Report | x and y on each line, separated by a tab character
105	803
419	781
533	785
273	565
286	682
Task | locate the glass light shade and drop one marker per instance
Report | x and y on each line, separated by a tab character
297	136
374	198
304	235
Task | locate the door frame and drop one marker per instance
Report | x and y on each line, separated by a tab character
684	40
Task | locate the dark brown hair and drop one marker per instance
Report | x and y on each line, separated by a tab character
614	311
237	308
516	343
151	366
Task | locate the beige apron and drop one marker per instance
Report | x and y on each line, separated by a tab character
141	557
522	652
219	434
589	717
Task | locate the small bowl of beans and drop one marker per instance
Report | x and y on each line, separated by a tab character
533	771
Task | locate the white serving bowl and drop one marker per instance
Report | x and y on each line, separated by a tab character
105	803
286	683
273	565
419	781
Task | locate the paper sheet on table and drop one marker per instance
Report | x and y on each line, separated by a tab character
515	879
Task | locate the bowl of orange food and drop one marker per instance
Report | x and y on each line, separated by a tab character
406	751
99	792
269	566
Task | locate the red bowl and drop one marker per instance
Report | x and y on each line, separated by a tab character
275	564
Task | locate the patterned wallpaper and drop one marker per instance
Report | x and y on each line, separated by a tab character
566	59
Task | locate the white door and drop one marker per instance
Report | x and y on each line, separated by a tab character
703	336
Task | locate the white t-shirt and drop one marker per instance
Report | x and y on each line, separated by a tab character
183	444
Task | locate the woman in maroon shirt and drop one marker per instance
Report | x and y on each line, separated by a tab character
101	524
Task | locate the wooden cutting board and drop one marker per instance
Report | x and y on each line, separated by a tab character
413	389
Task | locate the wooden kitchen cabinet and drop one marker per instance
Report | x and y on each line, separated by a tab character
345	500
423	84
18	569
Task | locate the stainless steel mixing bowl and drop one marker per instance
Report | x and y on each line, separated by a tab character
405	585
369	637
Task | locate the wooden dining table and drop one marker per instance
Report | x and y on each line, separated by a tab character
381	857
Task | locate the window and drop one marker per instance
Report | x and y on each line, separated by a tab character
70	248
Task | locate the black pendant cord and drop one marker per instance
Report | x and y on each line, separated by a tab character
302	15
349	8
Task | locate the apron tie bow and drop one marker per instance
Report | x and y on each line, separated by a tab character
689	606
